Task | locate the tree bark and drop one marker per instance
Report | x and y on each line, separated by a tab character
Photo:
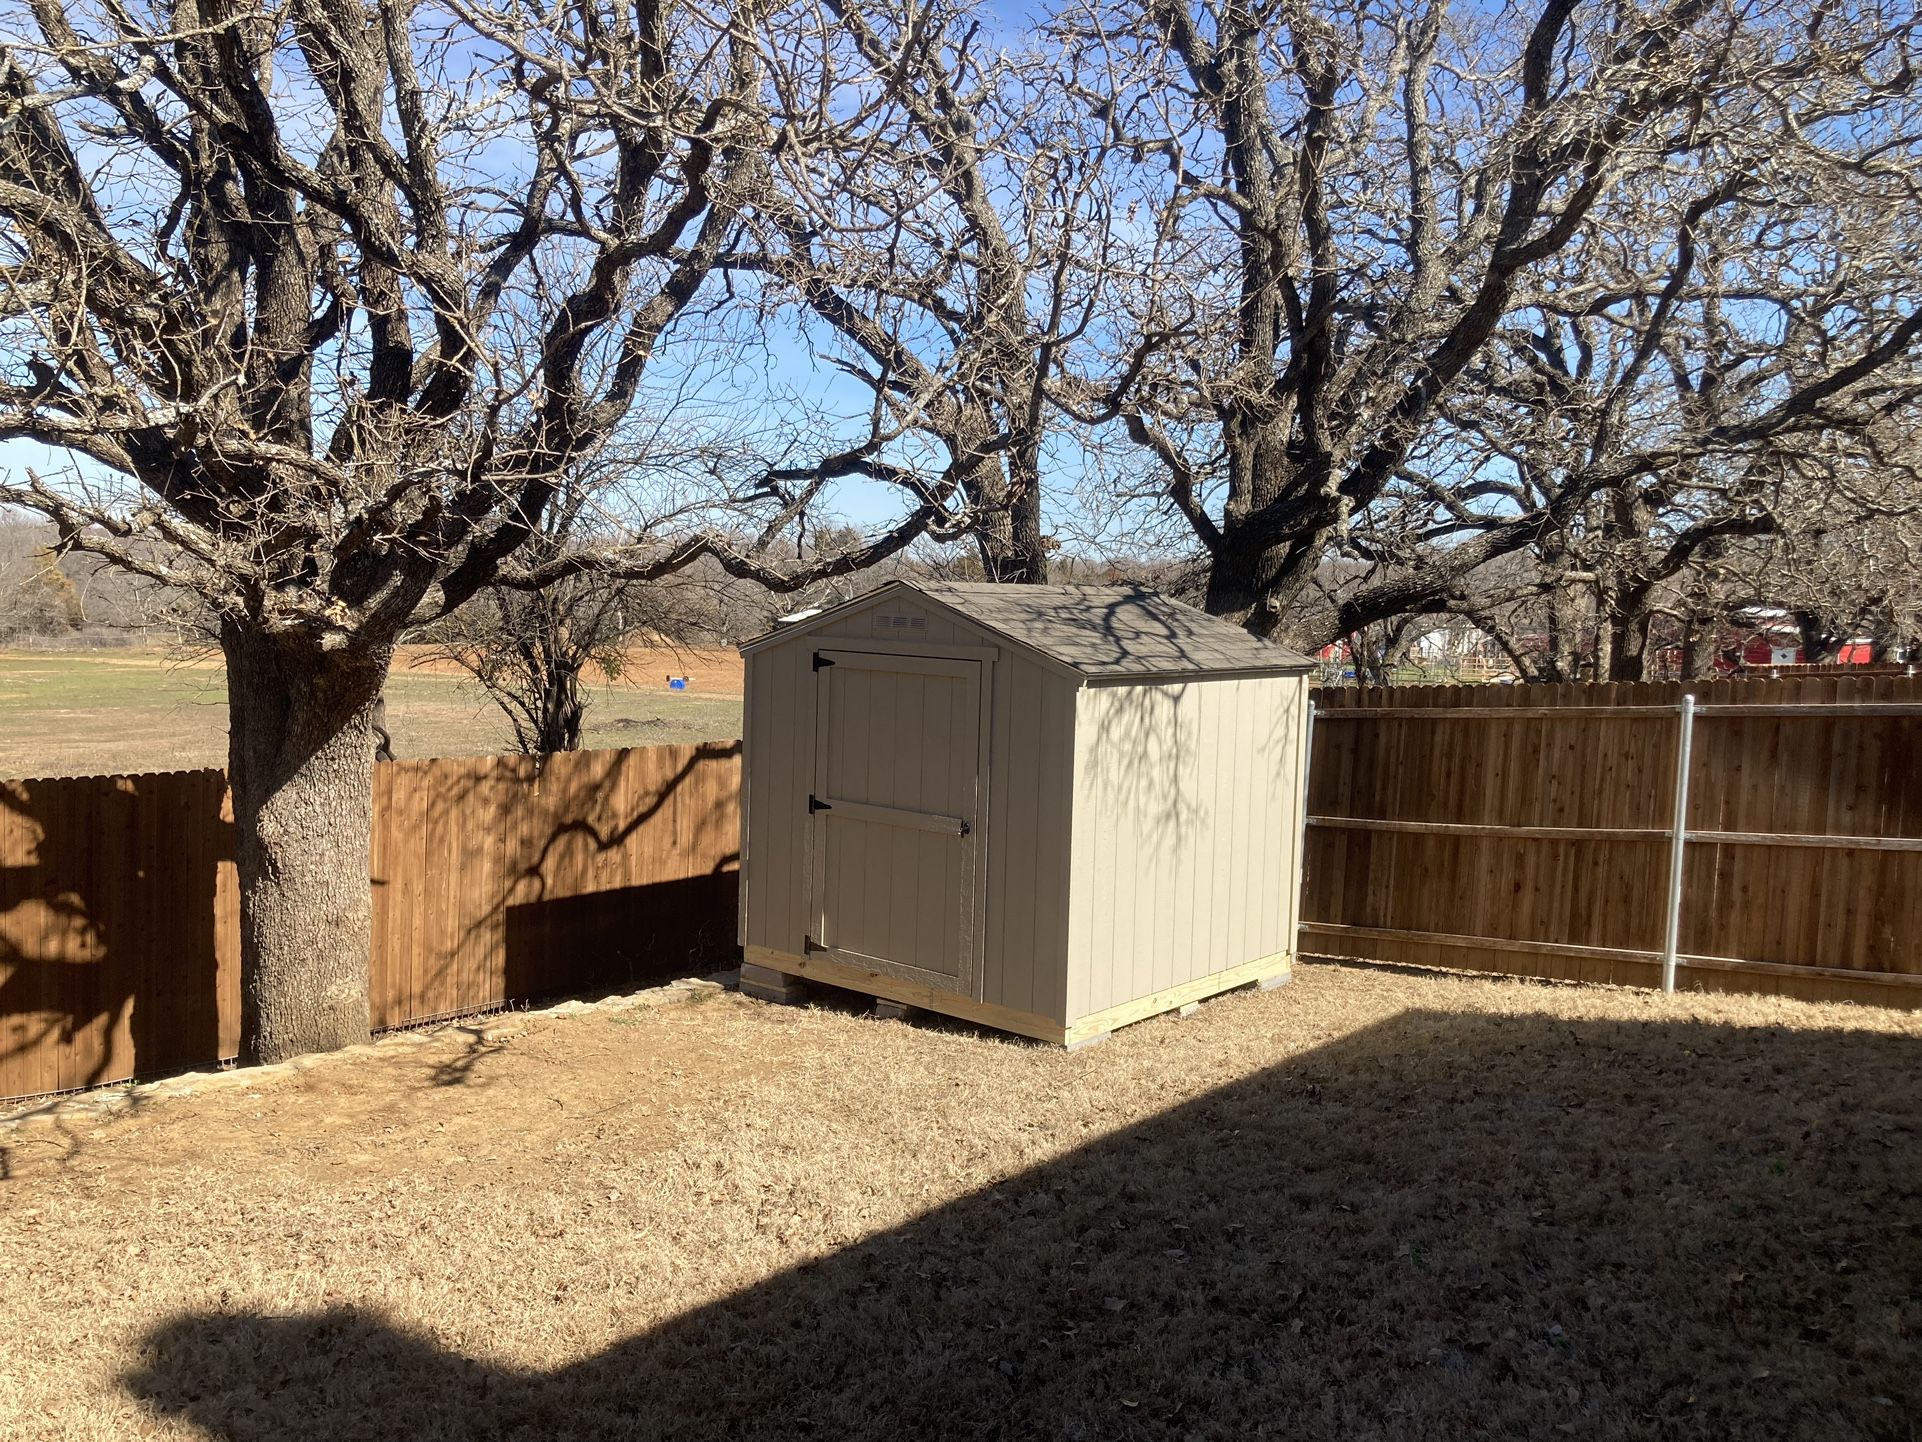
300	762
1255	582
1029	556
1820	644
562	708
1008	532
1700	635
1628	644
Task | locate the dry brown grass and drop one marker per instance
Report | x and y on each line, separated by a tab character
95	713
1368	1205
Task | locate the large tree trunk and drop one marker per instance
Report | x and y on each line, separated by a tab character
1009	531
563	708
1700	635
300	761
1029	558
1628	645
1820	645
1254	582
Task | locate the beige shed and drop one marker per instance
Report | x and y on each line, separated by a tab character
1053	810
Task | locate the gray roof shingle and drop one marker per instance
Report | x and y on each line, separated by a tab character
1114	630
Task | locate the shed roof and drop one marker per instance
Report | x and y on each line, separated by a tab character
1103	631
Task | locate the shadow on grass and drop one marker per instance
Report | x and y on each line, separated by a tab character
1441	1226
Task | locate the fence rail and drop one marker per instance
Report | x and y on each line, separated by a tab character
495	879
1767	836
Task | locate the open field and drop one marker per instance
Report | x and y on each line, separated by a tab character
101	712
1369	1205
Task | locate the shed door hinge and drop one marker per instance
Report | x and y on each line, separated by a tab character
820	661
815	804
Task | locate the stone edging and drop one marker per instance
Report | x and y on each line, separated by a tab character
118	1097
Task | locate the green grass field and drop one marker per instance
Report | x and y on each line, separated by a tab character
99	713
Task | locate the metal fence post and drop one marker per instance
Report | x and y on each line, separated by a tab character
1678	843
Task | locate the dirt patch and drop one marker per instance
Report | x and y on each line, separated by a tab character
1367	1205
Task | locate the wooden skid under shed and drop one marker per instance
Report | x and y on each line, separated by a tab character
816	967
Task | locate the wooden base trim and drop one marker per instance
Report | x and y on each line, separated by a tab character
1262	969
819	967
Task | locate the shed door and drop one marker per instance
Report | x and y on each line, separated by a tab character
897	785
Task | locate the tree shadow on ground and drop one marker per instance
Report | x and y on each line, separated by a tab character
1677	1230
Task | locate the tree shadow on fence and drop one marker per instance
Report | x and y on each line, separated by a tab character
621	939
109	956
497	882
1441	1226
507	879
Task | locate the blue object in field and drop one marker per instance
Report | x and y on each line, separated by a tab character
677	683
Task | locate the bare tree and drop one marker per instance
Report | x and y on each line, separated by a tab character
949	242
37	597
1669	398
534	651
332	297
1354	205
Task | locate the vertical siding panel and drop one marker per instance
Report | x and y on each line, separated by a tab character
1250	884
1177	959
1219	741
1256	878
1096	726
1101	945
1168	852
1278	726
1158	785
1272	721
1238	862
1019	833
1054	833
790	795
1298	788
1125	761
1188	962
1259	875
755	758
902	718
944	768
790	700
1081	859
1003	677
1133	788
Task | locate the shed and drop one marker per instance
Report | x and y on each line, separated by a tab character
1053	810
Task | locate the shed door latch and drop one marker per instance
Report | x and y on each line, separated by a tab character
815	804
820	660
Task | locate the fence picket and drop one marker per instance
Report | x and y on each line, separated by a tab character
120	920
1770	901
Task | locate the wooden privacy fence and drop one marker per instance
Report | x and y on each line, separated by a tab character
1523	829
1771	843
495	879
